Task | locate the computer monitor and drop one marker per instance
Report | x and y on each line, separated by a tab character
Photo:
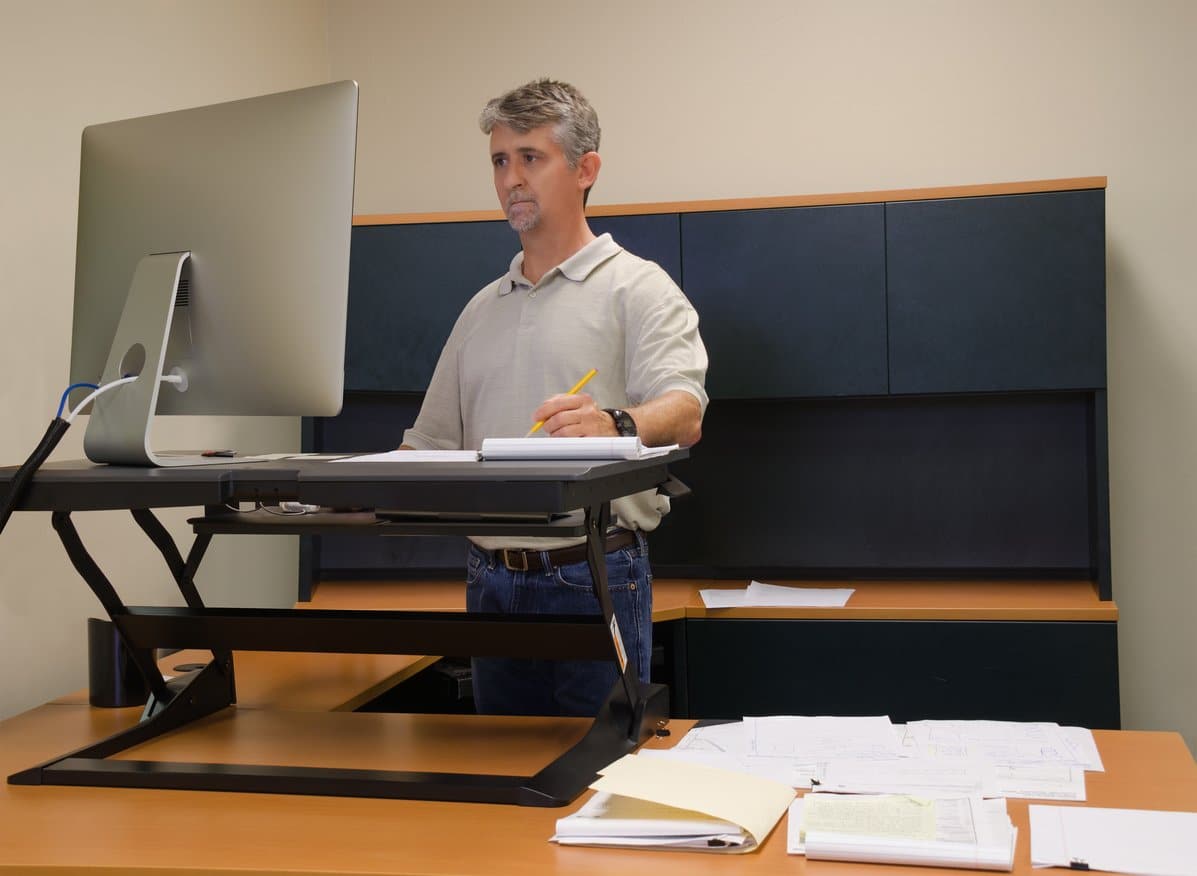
214	245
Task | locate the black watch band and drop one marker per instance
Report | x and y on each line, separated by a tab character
624	424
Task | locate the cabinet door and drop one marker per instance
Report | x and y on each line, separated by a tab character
997	293
1063	671
407	284
791	302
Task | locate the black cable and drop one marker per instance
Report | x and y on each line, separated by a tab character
19	485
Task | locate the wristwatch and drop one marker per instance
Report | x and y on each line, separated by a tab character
624	424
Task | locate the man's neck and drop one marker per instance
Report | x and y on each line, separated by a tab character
545	248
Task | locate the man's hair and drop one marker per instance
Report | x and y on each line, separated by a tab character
547	102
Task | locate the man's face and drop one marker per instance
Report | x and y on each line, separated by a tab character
533	180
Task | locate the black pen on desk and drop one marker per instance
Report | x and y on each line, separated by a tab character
574	391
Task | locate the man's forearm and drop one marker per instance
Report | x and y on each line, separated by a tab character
672	418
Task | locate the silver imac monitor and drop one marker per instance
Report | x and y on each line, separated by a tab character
213	264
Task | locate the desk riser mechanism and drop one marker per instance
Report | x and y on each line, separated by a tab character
630	715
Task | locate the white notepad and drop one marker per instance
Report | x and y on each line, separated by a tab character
570	448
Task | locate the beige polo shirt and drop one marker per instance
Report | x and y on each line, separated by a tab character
516	344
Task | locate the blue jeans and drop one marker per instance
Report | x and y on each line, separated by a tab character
507	686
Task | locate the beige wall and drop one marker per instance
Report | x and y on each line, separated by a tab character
64	65
702	99
698	99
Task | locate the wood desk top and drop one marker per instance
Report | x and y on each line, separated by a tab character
63	830
300	682
677	598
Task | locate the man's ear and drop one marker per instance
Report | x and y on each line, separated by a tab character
588	169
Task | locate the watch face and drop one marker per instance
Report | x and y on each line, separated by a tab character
624	424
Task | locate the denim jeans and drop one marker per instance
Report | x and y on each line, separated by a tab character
507	686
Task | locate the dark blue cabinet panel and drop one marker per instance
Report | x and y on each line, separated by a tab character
407	284
791	302
991	485
997	293
909	670
655	237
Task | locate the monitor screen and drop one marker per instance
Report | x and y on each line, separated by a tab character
253	202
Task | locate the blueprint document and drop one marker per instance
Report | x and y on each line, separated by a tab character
824	738
1012	743
726	746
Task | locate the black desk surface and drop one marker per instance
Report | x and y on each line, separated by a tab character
534	486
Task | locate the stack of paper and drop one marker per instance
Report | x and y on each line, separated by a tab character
570	448
947	832
646	802
873	756
758	595
1116	840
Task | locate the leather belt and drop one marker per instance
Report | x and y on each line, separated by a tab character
533	561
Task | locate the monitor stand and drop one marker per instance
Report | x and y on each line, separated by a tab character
119	429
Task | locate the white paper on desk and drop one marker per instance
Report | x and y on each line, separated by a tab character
1140	841
758	595
775	769
415	456
753	804
724	598
1001	742
824	738
570	448
912	776
948	832
730	741
1039	782
729	738
1081	740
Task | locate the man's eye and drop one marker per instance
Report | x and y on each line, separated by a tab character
528	159
499	162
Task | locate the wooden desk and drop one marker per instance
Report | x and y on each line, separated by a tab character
300	682
62	830
678	598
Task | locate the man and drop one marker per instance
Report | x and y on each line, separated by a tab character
570	302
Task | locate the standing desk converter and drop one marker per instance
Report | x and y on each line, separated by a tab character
561	498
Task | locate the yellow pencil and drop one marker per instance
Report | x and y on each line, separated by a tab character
574	391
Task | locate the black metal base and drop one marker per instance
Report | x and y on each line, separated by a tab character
614	733
632	712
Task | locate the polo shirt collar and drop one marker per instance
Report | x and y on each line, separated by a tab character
577	267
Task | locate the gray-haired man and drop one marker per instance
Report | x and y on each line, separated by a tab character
569	302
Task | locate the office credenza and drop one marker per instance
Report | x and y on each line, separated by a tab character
905	386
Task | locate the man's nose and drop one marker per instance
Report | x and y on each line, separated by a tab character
512	177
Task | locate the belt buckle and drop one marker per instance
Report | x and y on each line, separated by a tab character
523	555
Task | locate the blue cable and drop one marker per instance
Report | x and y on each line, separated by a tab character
68	391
